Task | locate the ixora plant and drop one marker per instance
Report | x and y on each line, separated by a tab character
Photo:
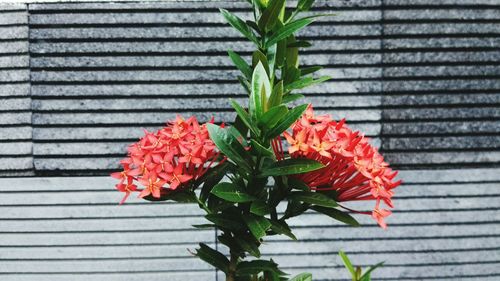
275	162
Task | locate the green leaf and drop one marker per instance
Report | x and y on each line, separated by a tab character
366	275
257	57
292	97
257	225
242	113
211	178
255	267
244	82
271	15
313	198
302	277
281	227
298	184
231	192
305	82
280	50
347	263
309	70
299	44
260	149
304	5
230	146
292	53
247	244
291	74
276	95
240	64
337	215
225	221
288	30
260	89
291	166
239	25
273	116
271	58
295	208
286	121
259	208
213	257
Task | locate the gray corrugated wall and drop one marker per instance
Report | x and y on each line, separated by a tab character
420	77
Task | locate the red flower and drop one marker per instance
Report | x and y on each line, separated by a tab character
355	170
167	159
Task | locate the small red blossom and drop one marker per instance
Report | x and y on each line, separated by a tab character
167	159
354	169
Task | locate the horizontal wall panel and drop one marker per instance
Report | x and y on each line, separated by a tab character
178	76
479	41
155	46
214	61
116	276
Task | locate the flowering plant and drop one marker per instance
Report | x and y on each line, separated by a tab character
273	155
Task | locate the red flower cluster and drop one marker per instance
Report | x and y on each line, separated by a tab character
176	154
354	169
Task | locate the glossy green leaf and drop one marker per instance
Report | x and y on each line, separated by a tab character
288	30
366	275
230	146
337	215
271	58
211	178
258	225
245	117
286	121
273	116
282	227
276	96
270	15
247	244
260	89
304	5
305	82
213	257
309	70
292	53
292	97
302	277
299	44
295	208
313	198
298	184
241	64
231	192
292	73
255	267
225	221
347	263
281	50
239	25
260	149
257	57
245	84
259	208
291	166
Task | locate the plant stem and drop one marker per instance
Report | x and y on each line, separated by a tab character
233	262
202	205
